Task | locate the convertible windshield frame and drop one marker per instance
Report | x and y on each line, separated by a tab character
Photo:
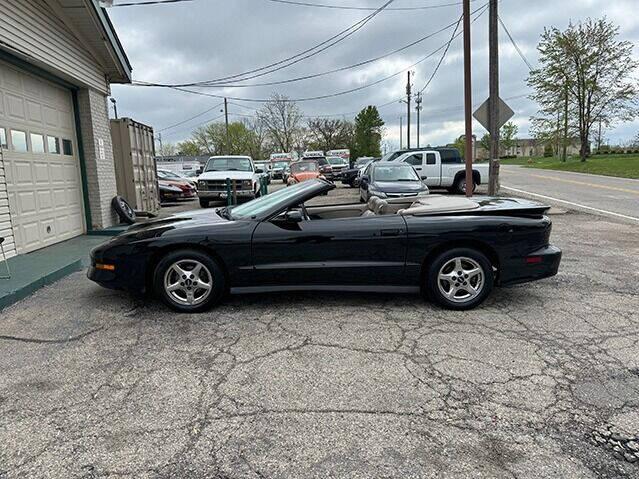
268	206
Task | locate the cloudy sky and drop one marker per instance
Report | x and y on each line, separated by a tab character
201	40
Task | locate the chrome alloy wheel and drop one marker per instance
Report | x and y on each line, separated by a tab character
460	279
188	282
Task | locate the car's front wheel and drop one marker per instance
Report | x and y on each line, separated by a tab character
189	281
459	279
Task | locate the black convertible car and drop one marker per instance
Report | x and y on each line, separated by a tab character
453	249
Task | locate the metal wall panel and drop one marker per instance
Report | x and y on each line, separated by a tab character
135	171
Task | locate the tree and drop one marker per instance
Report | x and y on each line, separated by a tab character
507	138
189	148
585	77
212	139
167	149
508	135
368	133
281	119
328	134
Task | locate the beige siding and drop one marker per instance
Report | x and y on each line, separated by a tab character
32	28
6	231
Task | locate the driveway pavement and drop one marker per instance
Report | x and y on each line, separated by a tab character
605	195
97	383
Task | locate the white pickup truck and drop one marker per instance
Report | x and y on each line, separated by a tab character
441	167
211	184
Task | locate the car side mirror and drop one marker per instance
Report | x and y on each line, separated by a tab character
294	216
259	170
364	179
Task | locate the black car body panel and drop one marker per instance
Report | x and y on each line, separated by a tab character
390	251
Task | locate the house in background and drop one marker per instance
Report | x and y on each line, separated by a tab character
526	147
57	61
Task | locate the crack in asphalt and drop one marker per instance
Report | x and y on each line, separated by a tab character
70	339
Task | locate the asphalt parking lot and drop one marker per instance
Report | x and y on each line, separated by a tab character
97	383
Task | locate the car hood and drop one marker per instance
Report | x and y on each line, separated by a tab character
222	175
398	186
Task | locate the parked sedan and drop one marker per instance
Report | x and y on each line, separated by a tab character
390	180
351	176
455	249
169	192
187	186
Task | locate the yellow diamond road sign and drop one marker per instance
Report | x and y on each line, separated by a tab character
505	114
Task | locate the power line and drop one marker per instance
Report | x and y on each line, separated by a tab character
441	60
192	118
292	60
349	7
148	2
210	120
512	40
340	69
331	95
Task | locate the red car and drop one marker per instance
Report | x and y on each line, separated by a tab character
302	171
187	186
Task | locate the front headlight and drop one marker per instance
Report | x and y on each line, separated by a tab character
201	185
379	194
247	184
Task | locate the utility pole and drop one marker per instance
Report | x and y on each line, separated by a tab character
493	102
468	101
226	120
565	139
418	107
400	131
160	140
408	96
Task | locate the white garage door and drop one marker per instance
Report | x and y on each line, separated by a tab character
40	159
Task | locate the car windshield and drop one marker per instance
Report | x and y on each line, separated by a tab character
393	155
280	164
303	166
363	162
337	161
168	175
394	173
228	164
270	201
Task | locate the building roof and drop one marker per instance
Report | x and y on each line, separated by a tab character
89	21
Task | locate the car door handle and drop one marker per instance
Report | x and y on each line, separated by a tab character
395	232
418	167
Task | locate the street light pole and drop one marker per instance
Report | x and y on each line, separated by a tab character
115	107
493	101
401	119
226	120
468	101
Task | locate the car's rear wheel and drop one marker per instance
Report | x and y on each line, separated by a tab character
204	203
459	279
460	185
189	281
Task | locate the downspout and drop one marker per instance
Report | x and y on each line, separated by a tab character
83	165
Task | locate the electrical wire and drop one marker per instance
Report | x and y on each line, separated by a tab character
340	69
148	2
348	7
192	118
287	62
331	95
512	40
441	60
210	120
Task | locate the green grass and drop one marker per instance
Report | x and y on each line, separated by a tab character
623	166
